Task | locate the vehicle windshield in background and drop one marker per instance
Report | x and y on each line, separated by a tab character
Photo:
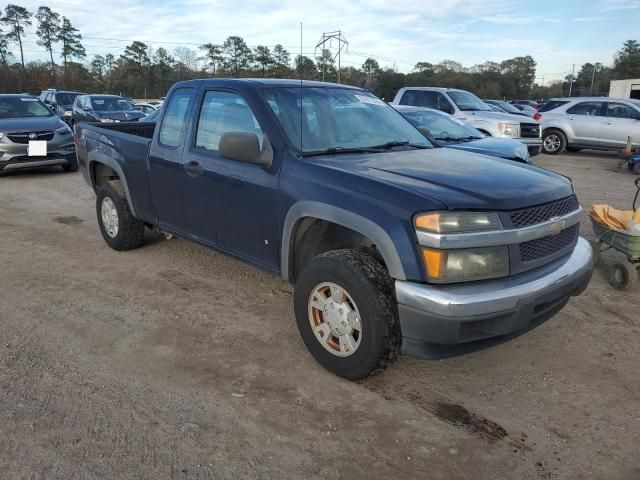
468	101
443	127
338	119
508	107
66	98
109	104
22	107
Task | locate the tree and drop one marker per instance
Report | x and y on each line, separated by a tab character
5	54
325	63
70	39
237	54
263	58
213	56
519	73
281	62
626	63
186	57
16	18
371	68
305	67
137	53
48	30
423	67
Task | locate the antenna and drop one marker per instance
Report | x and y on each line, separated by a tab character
301	68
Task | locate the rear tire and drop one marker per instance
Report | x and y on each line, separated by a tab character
553	142
120	229
347	314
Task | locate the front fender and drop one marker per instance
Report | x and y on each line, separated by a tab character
348	219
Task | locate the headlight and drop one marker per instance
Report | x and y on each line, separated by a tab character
108	120
509	129
457	222
63	130
68	113
465	265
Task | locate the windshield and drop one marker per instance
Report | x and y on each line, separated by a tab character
443	127
339	118
66	98
467	101
110	104
22	107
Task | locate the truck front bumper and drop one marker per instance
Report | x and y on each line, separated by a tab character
534	145
444	320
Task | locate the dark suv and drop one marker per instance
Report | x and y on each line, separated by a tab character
103	108
60	101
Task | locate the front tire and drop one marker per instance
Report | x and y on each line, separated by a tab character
347	314
120	229
553	142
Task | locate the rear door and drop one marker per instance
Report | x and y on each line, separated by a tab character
165	160
620	122
585	120
230	204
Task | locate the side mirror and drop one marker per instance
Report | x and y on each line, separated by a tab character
245	147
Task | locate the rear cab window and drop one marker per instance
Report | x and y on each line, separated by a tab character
174	122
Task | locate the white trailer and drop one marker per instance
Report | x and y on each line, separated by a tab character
625	88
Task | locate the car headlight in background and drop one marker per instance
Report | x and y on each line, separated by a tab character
108	120
1	135
465	264
457	222
68	113
509	129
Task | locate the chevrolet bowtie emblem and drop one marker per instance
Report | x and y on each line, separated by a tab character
557	225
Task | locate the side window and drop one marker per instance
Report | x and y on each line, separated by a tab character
223	112
552	105
419	98
175	118
586	108
620	110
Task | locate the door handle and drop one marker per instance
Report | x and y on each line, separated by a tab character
194	169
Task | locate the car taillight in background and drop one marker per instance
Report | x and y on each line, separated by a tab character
537	116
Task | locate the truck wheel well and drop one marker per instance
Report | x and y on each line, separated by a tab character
313	237
101	173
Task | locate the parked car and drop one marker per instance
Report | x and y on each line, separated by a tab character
531	103
391	244
103	108
470	109
601	123
505	106
60	101
153	116
445	130
32	136
145	108
527	109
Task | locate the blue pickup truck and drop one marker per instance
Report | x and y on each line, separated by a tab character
393	244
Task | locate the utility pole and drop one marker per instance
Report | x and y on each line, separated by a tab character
343	44
571	82
593	77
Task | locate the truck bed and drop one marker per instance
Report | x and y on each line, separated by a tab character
140	129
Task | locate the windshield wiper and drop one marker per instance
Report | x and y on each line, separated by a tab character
338	151
397	143
449	139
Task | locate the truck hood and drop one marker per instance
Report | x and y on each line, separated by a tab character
495	147
30	124
457	179
495	116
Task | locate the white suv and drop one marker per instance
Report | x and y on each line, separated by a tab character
470	109
601	123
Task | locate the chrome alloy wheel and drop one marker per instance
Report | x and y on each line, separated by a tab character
109	215
335	319
552	142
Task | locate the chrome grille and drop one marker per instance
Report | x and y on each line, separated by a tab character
23	138
546	246
543	213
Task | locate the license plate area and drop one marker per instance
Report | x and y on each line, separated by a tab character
37	148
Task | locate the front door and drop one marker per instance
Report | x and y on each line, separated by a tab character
229	204
585	119
620	122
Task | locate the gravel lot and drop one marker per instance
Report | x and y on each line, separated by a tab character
173	361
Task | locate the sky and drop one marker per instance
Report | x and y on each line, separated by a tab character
398	33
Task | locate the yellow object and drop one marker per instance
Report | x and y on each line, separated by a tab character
429	221
434	261
613	218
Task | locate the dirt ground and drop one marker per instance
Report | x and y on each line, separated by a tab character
173	361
